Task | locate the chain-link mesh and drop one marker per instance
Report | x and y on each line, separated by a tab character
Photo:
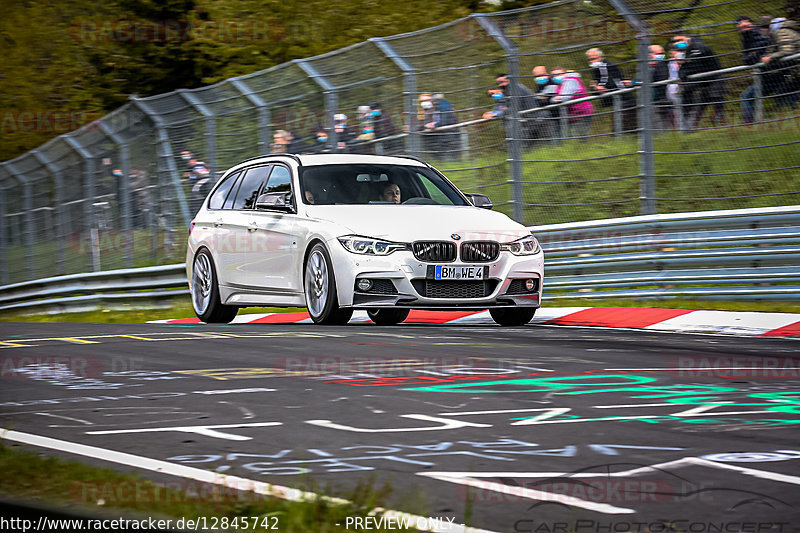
623	133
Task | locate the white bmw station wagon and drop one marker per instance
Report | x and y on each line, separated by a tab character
335	233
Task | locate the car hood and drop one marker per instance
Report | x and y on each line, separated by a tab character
408	223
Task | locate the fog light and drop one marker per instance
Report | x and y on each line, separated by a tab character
529	284
364	285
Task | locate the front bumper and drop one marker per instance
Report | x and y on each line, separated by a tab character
408	275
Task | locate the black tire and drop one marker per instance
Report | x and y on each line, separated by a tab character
514	316
387	317
319	283
205	291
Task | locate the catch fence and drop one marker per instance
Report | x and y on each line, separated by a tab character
118	192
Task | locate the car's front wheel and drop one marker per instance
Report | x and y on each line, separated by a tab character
205	292
320	288
387	317
513	317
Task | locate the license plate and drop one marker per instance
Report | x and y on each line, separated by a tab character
459	272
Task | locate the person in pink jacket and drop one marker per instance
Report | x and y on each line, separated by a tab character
571	87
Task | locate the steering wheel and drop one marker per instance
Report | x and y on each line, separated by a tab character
419	200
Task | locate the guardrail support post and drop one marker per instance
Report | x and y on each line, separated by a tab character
617	100
563	123
409	93
512	116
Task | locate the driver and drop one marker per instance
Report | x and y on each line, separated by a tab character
391	193
309	197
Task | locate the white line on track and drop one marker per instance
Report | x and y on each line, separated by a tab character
205	476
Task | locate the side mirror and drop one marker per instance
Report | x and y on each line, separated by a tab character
276	201
479	200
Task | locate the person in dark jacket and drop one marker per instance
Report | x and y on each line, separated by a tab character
608	78
659	71
446	143
754	46
382	122
534	125
700	93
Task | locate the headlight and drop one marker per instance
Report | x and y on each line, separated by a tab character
369	246
524	246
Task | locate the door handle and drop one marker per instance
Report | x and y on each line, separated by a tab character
252	227
218	223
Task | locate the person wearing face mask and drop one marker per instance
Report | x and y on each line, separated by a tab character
699	94
344	134
382	122
659	71
534	125
569	86
608	77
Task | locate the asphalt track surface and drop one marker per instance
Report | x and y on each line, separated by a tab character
546	429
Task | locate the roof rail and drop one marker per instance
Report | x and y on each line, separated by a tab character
293	156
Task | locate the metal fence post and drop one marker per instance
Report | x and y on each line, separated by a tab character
60	224
563	122
166	153
512	116
758	95
27	205
125	190
264	133
617	100
646	161
409	93
331	99
210	120
88	205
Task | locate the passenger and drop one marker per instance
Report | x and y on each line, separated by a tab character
391	193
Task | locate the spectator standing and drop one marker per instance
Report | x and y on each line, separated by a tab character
545	90
608	77
570	87
673	89
533	125
699	94
344	134
785	42
384	127
447	142
286	142
659	71
754	46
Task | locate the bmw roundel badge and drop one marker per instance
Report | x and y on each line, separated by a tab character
455	237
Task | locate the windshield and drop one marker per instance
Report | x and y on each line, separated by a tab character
376	184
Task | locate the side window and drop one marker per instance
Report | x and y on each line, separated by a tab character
217	200
251	184
232	194
279	181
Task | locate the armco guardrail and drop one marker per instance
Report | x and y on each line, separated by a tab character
743	254
80	291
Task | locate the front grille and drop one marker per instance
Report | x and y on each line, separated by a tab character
430	288
479	251
517	286
435	251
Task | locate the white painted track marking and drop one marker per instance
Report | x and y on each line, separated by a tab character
205	476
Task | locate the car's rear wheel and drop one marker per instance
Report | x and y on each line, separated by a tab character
205	292
320	288
387	317
513	317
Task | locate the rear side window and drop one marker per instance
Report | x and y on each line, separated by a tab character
218	198
248	190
